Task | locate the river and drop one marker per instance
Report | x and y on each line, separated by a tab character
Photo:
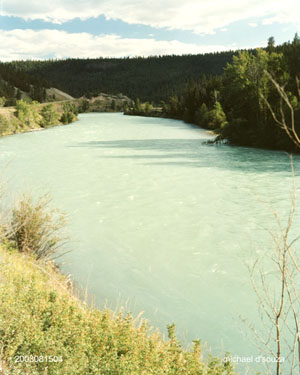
159	221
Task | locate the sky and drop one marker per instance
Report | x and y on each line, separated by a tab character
37	29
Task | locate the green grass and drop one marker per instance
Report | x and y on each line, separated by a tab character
40	316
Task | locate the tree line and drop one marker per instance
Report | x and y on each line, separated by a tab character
153	78
253	103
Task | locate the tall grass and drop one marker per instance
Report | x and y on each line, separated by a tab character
44	329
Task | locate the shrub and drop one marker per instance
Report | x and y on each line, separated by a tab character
36	228
70	107
2	101
27	113
67	118
113	105
83	106
4	125
69	114
49	116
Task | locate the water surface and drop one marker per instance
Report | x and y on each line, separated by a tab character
160	222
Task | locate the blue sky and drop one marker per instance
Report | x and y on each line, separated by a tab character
94	28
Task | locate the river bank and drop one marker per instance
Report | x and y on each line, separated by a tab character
28	117
37	116
158	112
47	327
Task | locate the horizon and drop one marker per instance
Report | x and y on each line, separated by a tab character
132	57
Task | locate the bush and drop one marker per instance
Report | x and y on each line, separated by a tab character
69	114
27	113
36	228
2	101
83	106
49	116
70	107
4	125
67	118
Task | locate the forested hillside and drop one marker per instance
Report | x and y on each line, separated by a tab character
150	79
16	84
255	102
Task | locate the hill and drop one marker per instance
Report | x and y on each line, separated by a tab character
151	79
56	95
15	84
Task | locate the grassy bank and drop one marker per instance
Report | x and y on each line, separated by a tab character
46	329
26	116
32	116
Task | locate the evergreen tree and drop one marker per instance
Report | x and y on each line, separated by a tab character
271	44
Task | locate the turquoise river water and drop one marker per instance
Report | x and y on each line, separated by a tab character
160	222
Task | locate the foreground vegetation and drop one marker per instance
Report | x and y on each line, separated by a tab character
45	329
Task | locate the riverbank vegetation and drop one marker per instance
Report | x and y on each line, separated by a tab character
249	104
46	329
27	116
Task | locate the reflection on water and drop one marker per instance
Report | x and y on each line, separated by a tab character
162	222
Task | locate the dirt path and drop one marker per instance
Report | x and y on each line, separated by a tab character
7	110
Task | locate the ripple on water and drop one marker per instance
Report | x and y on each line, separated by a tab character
158	217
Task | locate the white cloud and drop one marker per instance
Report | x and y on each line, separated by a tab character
252	24
200	16
268	21
25	44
